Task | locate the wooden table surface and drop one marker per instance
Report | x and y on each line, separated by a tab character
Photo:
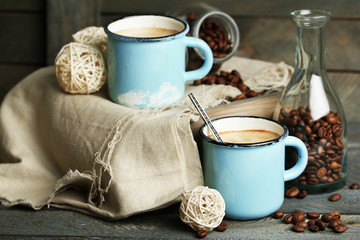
51	223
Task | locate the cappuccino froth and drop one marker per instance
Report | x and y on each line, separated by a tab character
247	136
146	32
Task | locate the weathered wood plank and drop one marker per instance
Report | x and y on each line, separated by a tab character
22	38
23	5
273	39
66	17
278	8
161	224
347	86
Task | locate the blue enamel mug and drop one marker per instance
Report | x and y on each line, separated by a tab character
149	72
250	176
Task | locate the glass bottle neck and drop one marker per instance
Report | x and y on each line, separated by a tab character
310	49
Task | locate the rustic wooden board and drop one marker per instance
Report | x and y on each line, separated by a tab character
347	86
162	224
66	17
22	38
23	5
275	8
273	39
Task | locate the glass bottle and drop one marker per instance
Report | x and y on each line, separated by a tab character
224	36
312	111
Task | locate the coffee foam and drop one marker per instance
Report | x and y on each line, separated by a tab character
146	32
248	136
147	21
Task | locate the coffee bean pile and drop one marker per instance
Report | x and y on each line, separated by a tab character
221	228
316	222
232	78
214	35
323	139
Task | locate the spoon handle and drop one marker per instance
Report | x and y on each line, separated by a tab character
205	117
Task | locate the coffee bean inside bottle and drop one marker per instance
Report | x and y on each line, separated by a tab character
324	142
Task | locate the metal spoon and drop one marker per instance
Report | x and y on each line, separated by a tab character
205	117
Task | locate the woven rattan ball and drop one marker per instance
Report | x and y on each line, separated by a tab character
92	36
202	208
80	69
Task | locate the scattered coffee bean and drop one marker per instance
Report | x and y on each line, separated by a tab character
303	224
292	192
222	227
335	223
354	186
201	234
298	228
315	223
297	212
327	217
302	194
320	224
298	218
314	228
340	228
288	218
278	214
335	197
336	215
313	215
311	222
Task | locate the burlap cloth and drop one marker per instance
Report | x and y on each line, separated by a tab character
86	153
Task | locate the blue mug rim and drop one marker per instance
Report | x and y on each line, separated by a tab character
245	145
153	39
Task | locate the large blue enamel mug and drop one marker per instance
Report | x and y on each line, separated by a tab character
149	72
250	176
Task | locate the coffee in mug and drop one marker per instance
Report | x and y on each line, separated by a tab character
250	176
247	136
147	32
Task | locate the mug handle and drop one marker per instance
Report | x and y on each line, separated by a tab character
206	67
301	163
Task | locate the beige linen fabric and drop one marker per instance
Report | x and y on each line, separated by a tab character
86	153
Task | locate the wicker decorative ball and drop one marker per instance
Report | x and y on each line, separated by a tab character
92	36
202	208
80	69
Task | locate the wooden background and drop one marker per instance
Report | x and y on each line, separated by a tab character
32	32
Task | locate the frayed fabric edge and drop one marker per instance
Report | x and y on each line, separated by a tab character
102	161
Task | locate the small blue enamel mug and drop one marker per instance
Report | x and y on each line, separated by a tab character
250	176
149	72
